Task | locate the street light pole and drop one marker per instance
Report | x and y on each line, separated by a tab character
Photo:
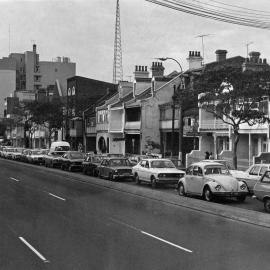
180	125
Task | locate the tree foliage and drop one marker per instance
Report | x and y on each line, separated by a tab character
234	96
46	114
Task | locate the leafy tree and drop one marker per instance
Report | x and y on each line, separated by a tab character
234	96
47	114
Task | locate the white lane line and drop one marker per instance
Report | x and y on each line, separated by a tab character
55	196
167	242
151	235
34	250
14	179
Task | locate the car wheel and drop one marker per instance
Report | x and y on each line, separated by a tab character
207	194
181	190
241	198
137	179
84	170
267	205
153	182
63	167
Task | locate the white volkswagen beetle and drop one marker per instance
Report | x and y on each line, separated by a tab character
209	180
156	171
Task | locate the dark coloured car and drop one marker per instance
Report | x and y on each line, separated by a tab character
72	160
53	159
115	169
91	163
25	154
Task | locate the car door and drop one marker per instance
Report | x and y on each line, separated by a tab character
188	178
196	182
102	167
140	169
147	172
262	187
253	176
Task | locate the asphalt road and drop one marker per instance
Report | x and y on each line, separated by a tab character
48	220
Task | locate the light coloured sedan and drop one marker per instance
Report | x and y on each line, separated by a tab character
156	171
210	180
262	190
253	174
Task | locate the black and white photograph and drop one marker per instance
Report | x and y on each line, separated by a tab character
134	134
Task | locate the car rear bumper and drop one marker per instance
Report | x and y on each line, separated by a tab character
123	176
167	181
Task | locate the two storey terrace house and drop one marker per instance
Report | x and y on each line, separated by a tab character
216	136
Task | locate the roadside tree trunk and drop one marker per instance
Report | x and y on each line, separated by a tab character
235	144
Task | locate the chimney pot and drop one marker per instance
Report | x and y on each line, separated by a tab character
221	55
264	61
145	68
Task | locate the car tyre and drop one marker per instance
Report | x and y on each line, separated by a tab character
181	190
207	194
63	167
111	177
137	179
84	170
153	182
267	205
241	198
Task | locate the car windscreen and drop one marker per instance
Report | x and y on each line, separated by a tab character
96	159
61	148
215	170
76	155
119	162
37	152
162	164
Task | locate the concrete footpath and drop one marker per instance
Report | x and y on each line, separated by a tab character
226	211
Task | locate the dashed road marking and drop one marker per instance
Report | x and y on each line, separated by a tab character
150	235
55	196
34	250
14	179
167	242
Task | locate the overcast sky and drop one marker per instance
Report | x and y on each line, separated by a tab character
84	31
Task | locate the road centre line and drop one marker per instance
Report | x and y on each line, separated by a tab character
151	235
34	250
167	242
14	179
55	196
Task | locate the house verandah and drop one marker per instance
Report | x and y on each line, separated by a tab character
252	142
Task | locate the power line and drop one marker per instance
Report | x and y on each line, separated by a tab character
211	14
256	10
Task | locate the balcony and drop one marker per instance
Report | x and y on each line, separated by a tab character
213	124
134	125
91	130
102	127
75	132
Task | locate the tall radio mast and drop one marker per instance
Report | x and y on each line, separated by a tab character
117	61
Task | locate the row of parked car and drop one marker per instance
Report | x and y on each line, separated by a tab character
208	178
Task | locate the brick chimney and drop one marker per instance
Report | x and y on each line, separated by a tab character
254	57
221	55
141	72
157	69
194	60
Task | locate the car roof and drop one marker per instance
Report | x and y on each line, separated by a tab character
155	159
204	163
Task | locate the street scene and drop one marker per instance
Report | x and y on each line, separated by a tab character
145	145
